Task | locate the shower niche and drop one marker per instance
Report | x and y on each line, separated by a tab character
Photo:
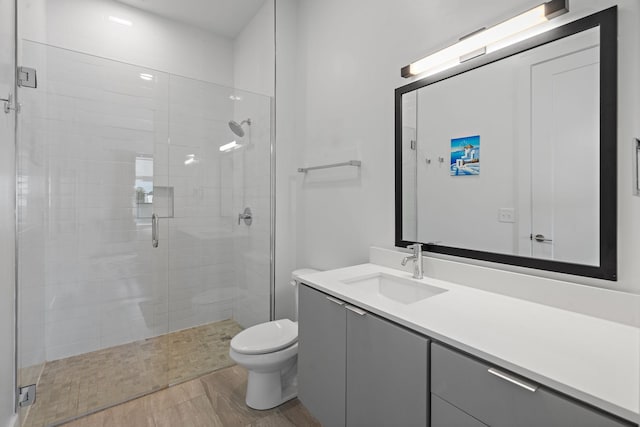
149	198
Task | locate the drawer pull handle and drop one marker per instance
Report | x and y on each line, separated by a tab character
532	388
335	301
356	310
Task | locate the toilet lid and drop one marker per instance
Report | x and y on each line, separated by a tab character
266	337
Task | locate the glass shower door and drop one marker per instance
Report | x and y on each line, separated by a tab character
92	171
135	266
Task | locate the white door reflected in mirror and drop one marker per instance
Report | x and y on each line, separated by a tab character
565	157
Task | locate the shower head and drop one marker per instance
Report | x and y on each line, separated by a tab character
237	127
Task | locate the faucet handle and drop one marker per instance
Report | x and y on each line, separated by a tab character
416	247
417	260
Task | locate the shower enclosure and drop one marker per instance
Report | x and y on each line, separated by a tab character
141	213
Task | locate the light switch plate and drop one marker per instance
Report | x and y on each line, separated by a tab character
506	215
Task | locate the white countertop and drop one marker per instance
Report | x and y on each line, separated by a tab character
594	360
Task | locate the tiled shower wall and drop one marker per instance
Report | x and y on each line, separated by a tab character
252	246
219	268
201	234
88	270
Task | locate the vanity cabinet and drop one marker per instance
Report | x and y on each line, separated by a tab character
444	414
387	375
356	368
494	397
349	355
322	341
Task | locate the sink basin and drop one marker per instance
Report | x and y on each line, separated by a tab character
394	288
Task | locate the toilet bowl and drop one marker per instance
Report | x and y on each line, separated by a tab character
269	351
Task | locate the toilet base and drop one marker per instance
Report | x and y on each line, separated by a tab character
266	390
272	376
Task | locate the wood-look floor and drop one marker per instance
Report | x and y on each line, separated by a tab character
82	384
216	399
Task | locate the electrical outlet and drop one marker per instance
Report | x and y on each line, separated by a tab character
506	215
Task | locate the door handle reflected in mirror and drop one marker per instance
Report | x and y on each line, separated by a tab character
540	238
246	216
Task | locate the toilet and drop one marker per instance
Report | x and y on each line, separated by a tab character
269	351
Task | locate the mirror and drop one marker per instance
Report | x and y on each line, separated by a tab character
511	157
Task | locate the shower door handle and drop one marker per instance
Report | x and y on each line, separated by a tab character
155	230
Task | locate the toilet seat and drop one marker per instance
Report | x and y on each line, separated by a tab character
266	337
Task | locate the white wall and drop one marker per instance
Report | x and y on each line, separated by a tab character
348	69
7	219
254	51
462	211
287	154
151	41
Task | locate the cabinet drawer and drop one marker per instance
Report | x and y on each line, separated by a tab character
487	396
444	414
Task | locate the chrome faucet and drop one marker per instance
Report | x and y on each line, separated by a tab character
417	260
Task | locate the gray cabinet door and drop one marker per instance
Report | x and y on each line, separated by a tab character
444	414
321	356
467	383
387	376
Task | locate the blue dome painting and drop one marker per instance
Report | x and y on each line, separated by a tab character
465	156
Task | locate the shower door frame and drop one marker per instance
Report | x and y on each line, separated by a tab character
16	314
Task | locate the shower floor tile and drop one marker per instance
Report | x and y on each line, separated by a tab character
77	385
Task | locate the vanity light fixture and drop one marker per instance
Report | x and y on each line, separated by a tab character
475	44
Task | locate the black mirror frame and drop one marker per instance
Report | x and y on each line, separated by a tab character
607	21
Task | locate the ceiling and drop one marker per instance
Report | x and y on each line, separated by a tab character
223	17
